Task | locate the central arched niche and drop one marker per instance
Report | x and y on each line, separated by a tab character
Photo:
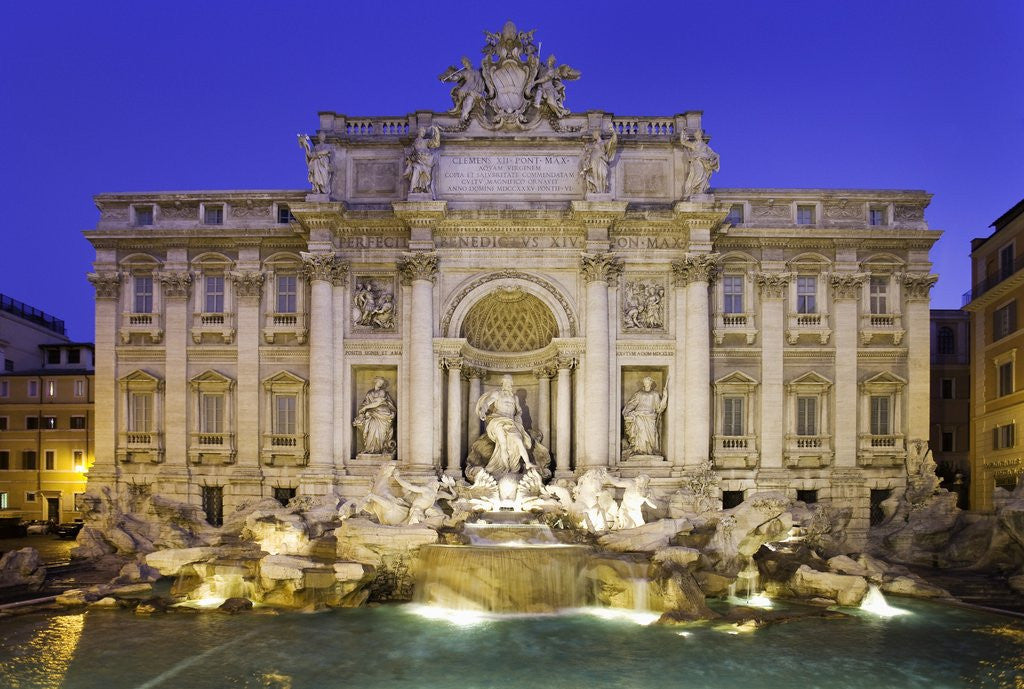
509	319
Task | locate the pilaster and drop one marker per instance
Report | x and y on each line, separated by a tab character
248	286
772	427
916	288
108	291
420	269
598	270
846	290
176	287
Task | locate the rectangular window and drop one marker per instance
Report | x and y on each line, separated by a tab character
732	286
807	295
143	215
8	365
3	501
732	416
211	413
876	217
74	355
880	417
878	496
287	294
28	460
143	294
214	294
30	497
284	495
52	356
33	388
947	441
49	460
284	214
807	416
1004	320
879	294
1003	437
50	423
5	460
31	423
1005	375
808	497
3	423
77	423
284	414
213	504
79	388
735	216
805	215
78	460
213	214
51	388
947	388
1006	262
5	388
731	498
140	412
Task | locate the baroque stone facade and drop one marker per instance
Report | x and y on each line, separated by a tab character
785	329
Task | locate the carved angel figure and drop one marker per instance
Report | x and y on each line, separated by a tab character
319	164
471	88
596	160
420	159
703	161
547	86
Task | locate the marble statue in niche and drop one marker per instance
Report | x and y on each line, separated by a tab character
703	161
373	304
642	420
420	159
375	418
595	162
643	305
319	164
503	415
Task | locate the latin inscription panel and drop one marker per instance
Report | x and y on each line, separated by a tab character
508	175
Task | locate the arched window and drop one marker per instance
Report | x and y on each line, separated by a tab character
946	341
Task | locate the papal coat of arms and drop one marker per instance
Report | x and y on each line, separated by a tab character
513	88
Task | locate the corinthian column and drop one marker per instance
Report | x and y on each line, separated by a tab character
341	420
474	376
563	416
454	367
697	271
543	418
420	269
598	270
319	270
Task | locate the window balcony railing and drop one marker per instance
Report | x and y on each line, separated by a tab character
813	325
293	324
874	325
207	447
147	324
887	449
808	451
285	449
133	446
992	280
735	451
738	324
218	324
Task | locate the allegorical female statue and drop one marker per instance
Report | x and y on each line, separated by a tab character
642	417
319	164
376	419
703	161
597	157
420	159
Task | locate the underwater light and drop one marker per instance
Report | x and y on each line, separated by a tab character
760	601
876	604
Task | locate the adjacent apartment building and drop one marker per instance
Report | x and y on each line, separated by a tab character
951	392
997	402
46	419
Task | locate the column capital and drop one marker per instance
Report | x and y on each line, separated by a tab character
773	285
846	285
546	370
699	267
339	274
917	286
600	267
319	266
566	362
248	284
418	265
108	285
451	363
471	372
176	283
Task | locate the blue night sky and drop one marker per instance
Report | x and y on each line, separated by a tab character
153	96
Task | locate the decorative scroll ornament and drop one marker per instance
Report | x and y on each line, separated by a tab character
908	213
843	210
918	285
419	265
566	362
470	372
339	274
449	363
248	284
773	285
548	370
769	209
513	88
695	268
319	266
847	285
176	284
600	267
108	285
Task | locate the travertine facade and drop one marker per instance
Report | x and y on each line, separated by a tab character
788	326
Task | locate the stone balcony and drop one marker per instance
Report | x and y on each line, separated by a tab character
147	325
808	326
807	451
136	446
211	448
881	450
881	325
291	324
216	324
284	449
739	325
735	451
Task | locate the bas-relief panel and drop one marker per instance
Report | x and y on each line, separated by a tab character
643	301
374	303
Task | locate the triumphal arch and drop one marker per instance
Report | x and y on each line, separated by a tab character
273	343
